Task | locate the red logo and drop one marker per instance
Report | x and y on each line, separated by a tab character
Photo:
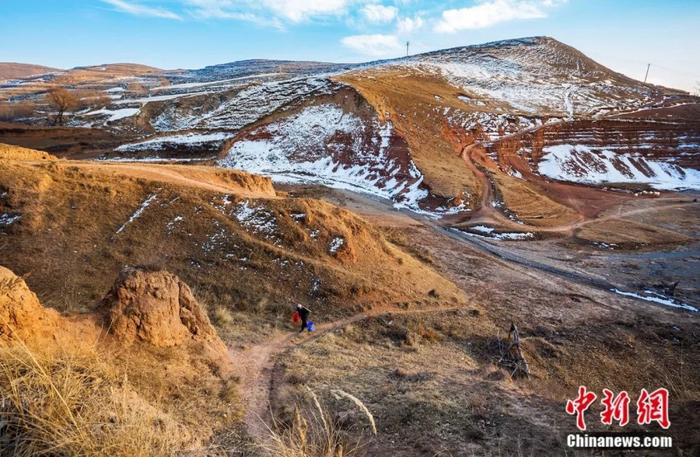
616	408
651	407
580	405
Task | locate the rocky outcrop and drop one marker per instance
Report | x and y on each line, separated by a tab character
21	314
158	308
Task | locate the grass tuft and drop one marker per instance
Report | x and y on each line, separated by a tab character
313	432
72	403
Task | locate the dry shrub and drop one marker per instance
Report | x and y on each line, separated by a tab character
222	316
313	432
428	334
72	403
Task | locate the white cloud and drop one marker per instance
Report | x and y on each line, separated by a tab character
229	9
299	10
490	12
267	11
374	45
141	10
407	25
377	13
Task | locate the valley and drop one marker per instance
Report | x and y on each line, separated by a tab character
156	237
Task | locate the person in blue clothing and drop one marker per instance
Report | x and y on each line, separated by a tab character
304	316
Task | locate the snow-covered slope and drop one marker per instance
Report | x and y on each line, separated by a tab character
325	144
534	76
583	164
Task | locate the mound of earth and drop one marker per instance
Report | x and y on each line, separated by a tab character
158	308
21	314
161	361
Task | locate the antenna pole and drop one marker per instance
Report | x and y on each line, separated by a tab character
647	74
408	43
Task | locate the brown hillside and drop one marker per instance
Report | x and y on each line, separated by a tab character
410	104
224	232
101	73
12	70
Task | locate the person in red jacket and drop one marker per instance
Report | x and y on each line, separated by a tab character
304	316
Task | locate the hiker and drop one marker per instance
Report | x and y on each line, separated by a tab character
304	316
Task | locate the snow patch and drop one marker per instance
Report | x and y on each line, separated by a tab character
583	164
9	218
307	147
154	159
656	298
187	140
490	232
115	115
172	224
256	219
139	211
336	244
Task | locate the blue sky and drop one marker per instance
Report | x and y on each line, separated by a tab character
622	34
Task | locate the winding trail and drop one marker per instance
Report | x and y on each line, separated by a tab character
486	213
255	365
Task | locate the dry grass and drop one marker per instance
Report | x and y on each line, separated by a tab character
12	111
409	103
532	205
449	396
221	316
73	403
314	432
627	232
193	231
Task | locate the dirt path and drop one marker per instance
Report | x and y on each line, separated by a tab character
487	214
255	365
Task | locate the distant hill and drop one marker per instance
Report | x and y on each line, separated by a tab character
446	132
13	70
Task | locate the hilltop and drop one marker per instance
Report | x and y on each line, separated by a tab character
14	70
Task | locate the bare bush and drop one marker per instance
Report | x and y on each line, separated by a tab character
62	100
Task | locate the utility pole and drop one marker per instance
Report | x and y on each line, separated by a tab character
408	43
647	75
